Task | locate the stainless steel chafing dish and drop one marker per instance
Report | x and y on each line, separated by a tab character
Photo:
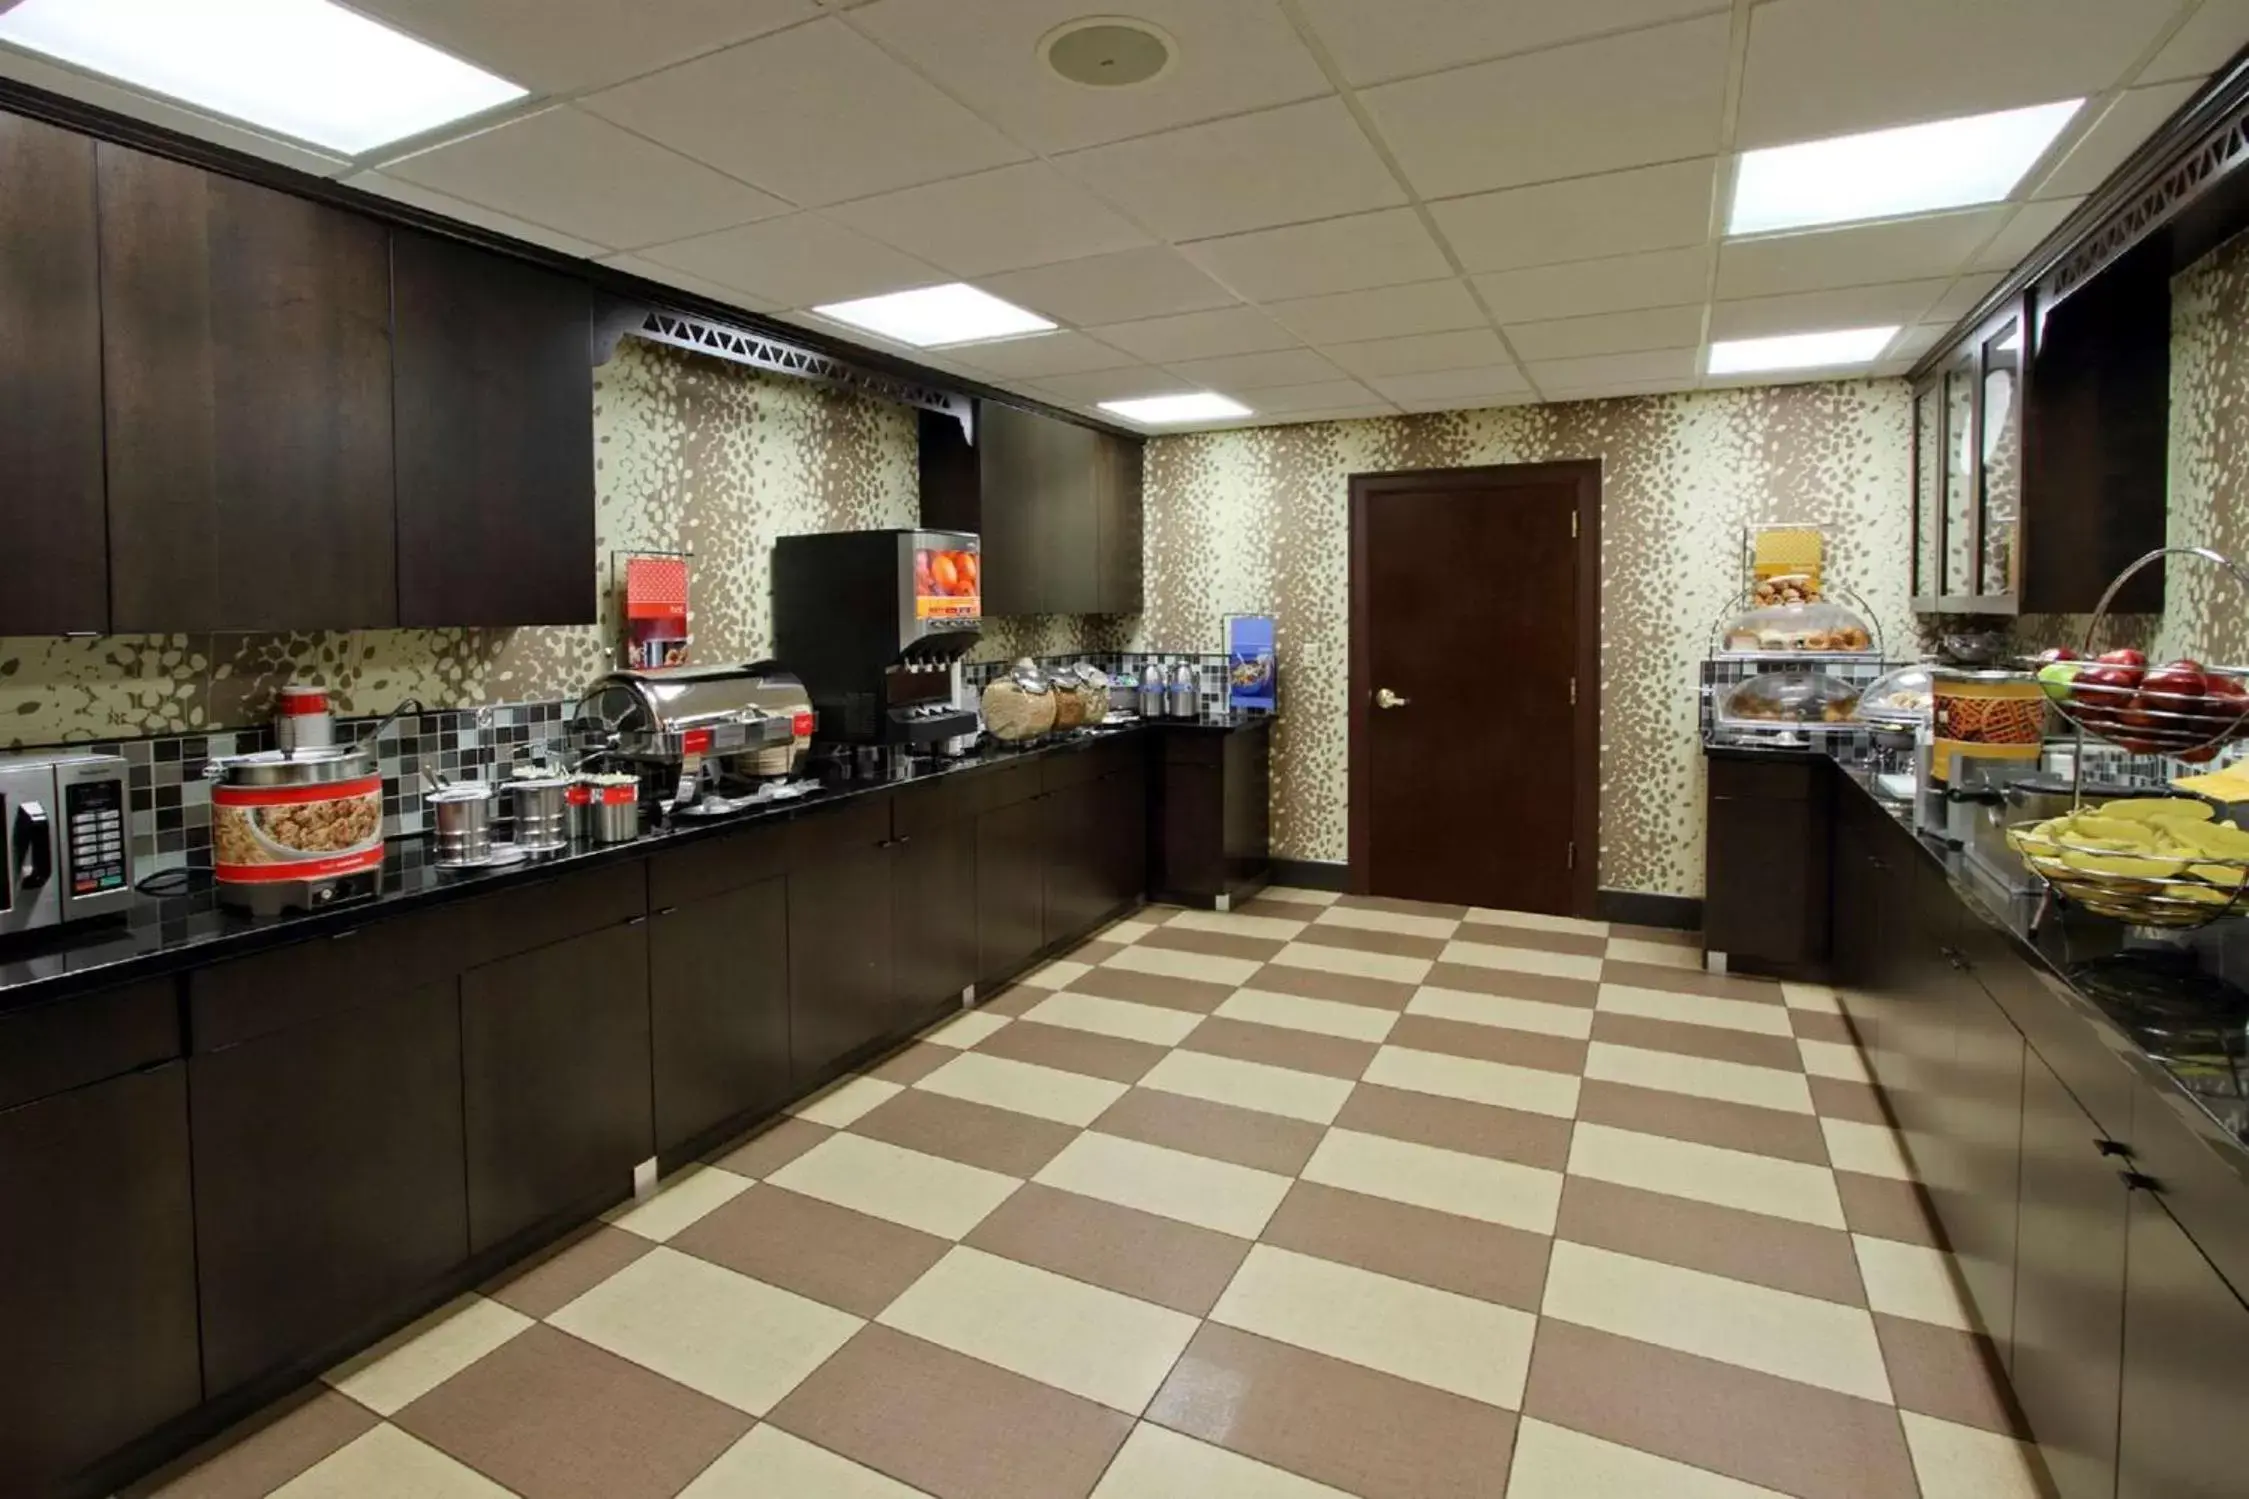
749	721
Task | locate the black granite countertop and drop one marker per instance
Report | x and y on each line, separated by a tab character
164	934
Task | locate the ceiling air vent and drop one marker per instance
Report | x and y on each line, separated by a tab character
1107	51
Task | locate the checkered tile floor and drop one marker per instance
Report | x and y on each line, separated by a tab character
1318	1197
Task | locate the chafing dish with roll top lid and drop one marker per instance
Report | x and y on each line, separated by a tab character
747	722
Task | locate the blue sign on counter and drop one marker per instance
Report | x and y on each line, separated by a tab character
1252	671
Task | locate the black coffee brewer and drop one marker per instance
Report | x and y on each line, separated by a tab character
874	622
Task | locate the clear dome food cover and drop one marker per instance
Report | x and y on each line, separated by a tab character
1902	699
1789	699
1798	627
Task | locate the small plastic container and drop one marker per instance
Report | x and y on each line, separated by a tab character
1790	629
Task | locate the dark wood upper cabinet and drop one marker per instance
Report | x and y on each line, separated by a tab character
56	577
493	394
246	349
1119	523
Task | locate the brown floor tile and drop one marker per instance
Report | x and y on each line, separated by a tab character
1450	1124
1096	952
1196	996
554	1418
1887	1209
1689	1039
1014	999
1111	1057
568	1273
1337	1423
1489	1043
1952	1375
1670	936
1837	1099
250	1464
1776	1252
1392	904
1277	910
909	1065
773	1147
1247	1137
1467	978
1486	1260
1690	981
1817	1025
1363	939
1343	988
1278	1046
1215	944
974	1134
1705	1121
834	1255
1761	1429
951	1426
1578	944
1172	1264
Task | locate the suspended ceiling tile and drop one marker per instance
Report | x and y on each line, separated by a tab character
1042	355
1673	365
1818	68
1197	335
1230	58
1277	367
817	113
1373	42
1622	101
573	172
1579	288
1857	255
798	261
1423	307
2206	43
558	46
2031	223
1323	395
641	266
1608	333
472	213
1454	385
1114	288
1618	213
1911	343
1418	352
1826	311
1361	250
1962	299
1094	387
1002	220
1616	390
1299	162
2132	118
1371	411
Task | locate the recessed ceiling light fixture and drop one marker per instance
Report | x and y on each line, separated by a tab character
932	316
1163	411
1800	351
1885	173
307	69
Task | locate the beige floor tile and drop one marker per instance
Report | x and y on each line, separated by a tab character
1695	1009
1701	1077
251	1460
1171	1183
845	1101
1113	1017
1403	923
1537	922
1043	1092
1960	1462
1523	960
733	1338
1448	1181
1372	965
1836	1060
1869	1149
1437	1338
388	1464
964	1030
1467	1256
1661	954
1055	975
679	1200
850	1261
1517	1135
1712	1316
1755	1247
1554	1462
1705	1121
1322	1017
1169	963
1502	1012
417	1359
1249	1085
771	1464
1091	1342
1298	896
1247	1137
1138	1254
1527	1088
937	1196
772	1147
1707	1173
1131	929
565	1272
1240	923
1509	983
1157	1463
1076	1052
974	1134
1912	1280
1819	999
1281	1046
1811	1025
1691	981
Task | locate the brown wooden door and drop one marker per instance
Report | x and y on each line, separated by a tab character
1473	607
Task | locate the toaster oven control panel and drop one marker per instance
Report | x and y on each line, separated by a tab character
94	827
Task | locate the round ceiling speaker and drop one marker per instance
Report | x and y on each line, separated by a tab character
1107	51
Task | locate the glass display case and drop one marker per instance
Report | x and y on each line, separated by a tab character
1957	579
1928	491
1899	699
1789	699
1999	470
1797	628
1968	473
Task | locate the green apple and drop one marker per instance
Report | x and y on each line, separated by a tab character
2055	676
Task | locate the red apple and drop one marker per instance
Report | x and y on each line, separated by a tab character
2174	687
2058	653
2202	755
2099	695
2125	660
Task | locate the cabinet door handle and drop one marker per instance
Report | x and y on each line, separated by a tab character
2113	1148
2135	1181
665	910
636	921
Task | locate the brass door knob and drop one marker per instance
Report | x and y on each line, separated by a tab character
1385	698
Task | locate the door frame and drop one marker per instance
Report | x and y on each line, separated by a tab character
1585	721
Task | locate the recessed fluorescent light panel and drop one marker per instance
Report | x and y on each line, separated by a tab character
301	68
1159	411
932	316
1800	351
1886	173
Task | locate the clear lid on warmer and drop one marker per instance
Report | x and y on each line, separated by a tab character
1813	627
1789	697
1900	699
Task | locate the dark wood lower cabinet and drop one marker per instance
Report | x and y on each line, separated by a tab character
97	1274
1209	798
719	1001
1765	869
1010	889
840	992
556	1068
2181	1430
1978	1182
933	916
1070	834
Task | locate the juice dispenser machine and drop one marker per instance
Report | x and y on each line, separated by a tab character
875	623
